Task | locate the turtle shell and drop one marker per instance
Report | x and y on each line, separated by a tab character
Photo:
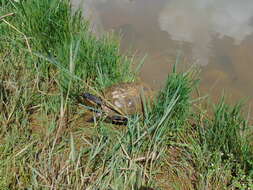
126	97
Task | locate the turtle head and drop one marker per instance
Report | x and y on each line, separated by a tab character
92	100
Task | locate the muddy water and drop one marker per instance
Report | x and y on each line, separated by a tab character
215	34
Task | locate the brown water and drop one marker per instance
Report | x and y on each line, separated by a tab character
215	34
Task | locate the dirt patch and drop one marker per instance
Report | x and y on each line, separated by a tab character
178	173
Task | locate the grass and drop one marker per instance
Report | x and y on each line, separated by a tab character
230	150
48	57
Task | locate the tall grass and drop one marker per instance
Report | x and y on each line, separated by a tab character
222	149
178	87
49	29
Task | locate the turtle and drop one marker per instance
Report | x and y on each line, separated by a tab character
120	100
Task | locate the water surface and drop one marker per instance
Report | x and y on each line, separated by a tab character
215	34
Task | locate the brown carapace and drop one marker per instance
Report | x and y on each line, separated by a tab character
120	101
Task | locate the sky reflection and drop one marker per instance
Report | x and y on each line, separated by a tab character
197	21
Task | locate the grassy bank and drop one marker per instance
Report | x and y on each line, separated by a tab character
48	57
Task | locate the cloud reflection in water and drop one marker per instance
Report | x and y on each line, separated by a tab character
195	21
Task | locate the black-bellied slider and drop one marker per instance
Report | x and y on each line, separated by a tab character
120	100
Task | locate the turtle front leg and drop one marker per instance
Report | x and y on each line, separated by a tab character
117	120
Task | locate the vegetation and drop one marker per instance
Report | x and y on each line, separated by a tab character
48	57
